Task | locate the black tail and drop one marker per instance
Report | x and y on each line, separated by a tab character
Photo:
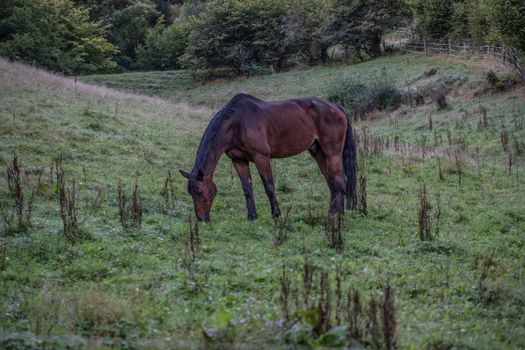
350	164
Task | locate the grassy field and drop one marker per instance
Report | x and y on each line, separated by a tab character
143	288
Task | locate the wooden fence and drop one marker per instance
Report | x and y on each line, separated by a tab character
507	55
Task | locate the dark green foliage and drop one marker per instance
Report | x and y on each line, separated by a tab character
62	39
130	26
129	21
475	21
434	17
164	46
383	94
360	98
509	19
305	42
243	35
359	25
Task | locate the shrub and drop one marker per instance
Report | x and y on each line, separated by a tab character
360	98
383	94
347	93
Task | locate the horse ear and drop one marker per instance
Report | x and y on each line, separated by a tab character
184	173
200	175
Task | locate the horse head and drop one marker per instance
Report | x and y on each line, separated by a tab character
202	190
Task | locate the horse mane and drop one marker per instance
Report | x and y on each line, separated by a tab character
213	128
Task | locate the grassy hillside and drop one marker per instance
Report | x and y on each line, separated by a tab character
178	85
141	288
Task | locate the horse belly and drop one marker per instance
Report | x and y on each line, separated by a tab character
290	142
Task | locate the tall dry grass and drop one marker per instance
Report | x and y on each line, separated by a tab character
17	75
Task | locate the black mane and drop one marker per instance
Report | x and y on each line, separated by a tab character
212	129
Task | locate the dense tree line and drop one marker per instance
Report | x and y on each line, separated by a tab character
477	21
242	36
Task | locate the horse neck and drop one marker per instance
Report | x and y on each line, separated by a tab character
210	151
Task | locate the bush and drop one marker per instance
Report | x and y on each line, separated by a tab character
360	98
383	94
346	93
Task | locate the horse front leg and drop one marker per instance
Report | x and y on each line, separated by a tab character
243	170
264	166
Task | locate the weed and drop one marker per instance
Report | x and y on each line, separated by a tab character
437	213
72	231
194	240
483	121
504	137
130	213
363	208
4	243
425	230
440	170
354	314
284	296
314	218
308	280
168	195
374	326
188	261
519	146
334	230
281	225
372	329
324	306
388	317
23	209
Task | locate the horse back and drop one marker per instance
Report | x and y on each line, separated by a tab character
284	128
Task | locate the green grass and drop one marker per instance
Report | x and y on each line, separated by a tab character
178	86
132	288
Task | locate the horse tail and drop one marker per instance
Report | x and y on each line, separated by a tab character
350	164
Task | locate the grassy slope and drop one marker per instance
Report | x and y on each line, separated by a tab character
132	288
177	85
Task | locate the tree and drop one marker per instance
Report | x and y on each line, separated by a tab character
129	22
242	35
164	46
302	25
435	17
57	35
509	20
359	25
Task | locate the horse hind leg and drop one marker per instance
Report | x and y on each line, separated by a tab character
337	182
331	167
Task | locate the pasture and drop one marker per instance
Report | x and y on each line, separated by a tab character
232	283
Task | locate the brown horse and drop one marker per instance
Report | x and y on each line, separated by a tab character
248	129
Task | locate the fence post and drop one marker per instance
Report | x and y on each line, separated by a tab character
449	47
464	49
425	47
